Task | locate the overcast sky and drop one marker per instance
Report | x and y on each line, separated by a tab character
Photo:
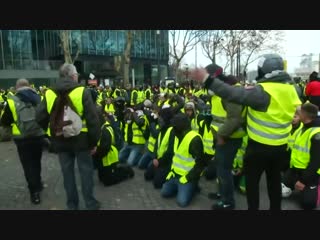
296	43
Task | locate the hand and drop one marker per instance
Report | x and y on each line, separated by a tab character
237	172
93	150
199	74
183	180
155	162
299	186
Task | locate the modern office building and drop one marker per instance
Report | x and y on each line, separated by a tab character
37	55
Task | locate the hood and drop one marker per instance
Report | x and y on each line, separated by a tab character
276	76
28	94
65	85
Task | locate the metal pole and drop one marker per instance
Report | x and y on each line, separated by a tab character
158	51
196	55
133	78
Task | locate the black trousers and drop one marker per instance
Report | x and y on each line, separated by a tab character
30	153
261	158
114	174
157	175
210	171
309	195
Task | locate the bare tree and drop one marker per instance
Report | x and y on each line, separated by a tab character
258	41
182	42
211	44
65	43
232	40
247	44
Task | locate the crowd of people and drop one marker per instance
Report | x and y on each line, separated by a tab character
225	131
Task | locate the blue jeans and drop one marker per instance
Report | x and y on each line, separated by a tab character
146	159
85	165
130	154
184	192
225	155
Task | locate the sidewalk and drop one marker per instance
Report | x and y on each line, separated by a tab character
133	194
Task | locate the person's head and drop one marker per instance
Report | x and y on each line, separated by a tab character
181	124
165	116
69	71
189	109
296	117
22	82
313	76
269	63
308	112
214	70
147	104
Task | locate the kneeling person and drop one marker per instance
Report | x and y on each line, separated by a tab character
107	159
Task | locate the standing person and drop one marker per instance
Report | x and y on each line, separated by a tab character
271	107
227	122
20	112
79	147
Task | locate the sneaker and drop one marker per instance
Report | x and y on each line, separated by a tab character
214	196
35	198
222	206
286	192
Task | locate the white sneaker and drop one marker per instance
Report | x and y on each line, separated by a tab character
286	192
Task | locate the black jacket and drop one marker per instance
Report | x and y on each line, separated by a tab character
85	140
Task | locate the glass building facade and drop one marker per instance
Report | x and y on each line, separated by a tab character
39	52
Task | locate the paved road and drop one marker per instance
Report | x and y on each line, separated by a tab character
133	194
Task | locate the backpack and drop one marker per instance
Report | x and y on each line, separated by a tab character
26	119
65	121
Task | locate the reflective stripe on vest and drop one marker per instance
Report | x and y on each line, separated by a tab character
75	97
273	126
183	161
163	144
300	155
207	139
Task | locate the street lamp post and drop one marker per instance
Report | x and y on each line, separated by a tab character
187	71
158	55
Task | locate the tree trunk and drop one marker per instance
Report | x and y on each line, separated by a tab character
231	65
64	36
127	52
214	54
176	69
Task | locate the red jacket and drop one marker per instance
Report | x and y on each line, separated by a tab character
313	88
